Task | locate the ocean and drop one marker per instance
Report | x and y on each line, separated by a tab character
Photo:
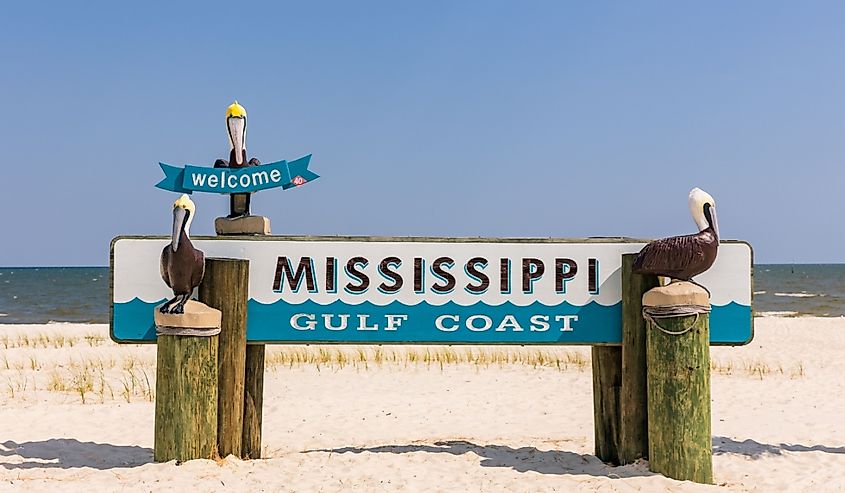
40	295
799	289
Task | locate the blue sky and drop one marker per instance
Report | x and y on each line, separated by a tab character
486	118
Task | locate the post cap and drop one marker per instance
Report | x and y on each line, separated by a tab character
677	293
246	225
196	316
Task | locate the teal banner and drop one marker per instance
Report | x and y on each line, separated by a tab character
282	174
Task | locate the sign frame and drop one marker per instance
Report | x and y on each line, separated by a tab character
416	239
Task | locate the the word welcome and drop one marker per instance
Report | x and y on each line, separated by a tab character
244	179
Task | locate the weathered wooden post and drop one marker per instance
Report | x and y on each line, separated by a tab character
678	352
607	386
186	384
619	378
633	399
254	362
253	401
225	287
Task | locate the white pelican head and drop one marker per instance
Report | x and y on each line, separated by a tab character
183	215
703	210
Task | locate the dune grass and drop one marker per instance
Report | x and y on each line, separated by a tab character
363	357
90	368
757	368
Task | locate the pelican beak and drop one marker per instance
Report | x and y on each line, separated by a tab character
714	220
710	215
180	215
237	135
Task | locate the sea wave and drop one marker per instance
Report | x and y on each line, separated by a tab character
777	314
799	295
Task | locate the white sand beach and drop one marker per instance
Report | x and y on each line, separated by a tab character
416	421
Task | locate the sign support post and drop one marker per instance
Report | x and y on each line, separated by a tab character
225	287
186	398
607	388
619	378
633	404
253	382
678	332
253	401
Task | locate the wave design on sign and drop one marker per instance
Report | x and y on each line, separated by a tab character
730	324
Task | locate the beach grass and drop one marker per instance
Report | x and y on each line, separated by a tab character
89	368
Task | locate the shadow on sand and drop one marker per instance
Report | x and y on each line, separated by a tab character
519	459
67	453
756	450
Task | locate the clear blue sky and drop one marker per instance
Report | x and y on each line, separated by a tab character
441	118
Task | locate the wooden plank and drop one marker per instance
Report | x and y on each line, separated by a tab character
633	400
253	401
225	287
186	398
679	437
607	382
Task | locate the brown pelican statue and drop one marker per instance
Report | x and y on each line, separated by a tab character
182	265
683	257
236	125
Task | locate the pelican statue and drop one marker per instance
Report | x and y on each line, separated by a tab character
683	257
182	265
236	126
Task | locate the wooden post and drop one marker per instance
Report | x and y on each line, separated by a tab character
225	287
633	399
607	383
186	398
254	371
253	401
678	352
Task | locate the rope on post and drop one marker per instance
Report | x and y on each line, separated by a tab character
654	313
184	331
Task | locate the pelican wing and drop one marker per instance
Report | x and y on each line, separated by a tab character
671	257
165	259
199	268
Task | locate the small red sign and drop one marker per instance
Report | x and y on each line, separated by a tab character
298	181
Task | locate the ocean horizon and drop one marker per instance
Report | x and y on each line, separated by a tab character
80	294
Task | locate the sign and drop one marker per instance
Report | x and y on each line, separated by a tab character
237	180
433	290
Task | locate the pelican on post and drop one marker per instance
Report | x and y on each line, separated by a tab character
236	126
182	265
683	257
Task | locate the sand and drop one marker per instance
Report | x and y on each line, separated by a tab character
412	425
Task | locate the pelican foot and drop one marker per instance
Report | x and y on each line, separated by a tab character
165	308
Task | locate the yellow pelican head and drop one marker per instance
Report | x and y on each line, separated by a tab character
236	125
